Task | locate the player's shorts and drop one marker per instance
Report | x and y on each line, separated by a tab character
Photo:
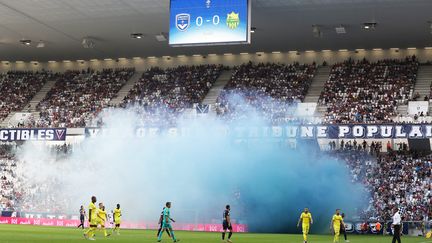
305	228
336	229
101	222
166	226
117	221
225	226
94	222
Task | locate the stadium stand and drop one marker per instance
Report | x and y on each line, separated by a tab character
220	113
270	89
78	97
394	179
18	87
366	92
8	196
17	195
161	95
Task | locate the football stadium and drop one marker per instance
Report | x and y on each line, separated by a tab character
202	121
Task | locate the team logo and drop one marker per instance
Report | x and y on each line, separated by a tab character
59	133
182	21
233	20
202	109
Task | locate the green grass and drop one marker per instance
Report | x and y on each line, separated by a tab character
30	234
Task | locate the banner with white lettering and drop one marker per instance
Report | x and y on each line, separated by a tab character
352	131
33	134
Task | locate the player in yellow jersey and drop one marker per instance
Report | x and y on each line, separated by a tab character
306	220
93	219
429	235
102	217
117	219
336	223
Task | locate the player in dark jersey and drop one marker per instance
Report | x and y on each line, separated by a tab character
160	223
342	228
226	224
82	217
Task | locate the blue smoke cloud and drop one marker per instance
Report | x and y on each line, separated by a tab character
267	184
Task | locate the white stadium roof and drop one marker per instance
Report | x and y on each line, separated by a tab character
282	25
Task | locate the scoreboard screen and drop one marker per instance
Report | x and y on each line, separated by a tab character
209	22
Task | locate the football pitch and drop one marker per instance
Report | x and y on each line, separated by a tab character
30	234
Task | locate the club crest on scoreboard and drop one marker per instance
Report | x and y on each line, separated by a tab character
182	21
233	20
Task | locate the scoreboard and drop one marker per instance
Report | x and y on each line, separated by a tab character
209	22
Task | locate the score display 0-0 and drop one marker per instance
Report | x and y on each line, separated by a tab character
209	22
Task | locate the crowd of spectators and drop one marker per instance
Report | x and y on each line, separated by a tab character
269	90
400	179
8	196
42	197
356	92
161	95
367	92
78	97
17	88
17	194
374	148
